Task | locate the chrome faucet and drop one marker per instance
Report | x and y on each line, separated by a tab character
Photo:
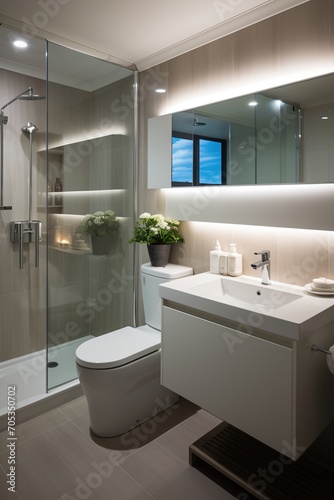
265	264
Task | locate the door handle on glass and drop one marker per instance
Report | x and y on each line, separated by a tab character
26	232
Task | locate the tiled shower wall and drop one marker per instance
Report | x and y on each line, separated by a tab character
22	291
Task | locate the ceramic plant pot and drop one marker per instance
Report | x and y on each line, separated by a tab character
159	255
101	245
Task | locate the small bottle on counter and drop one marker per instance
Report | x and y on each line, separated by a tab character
223	263
58	189
234	265
215	258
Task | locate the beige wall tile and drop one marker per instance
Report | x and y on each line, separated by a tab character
296	44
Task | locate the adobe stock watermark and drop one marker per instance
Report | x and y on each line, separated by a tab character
40	18
200	199
225	8
100	471
304	271
263	476
85	487
246	152
266	135
309	265
249	321
72	330
139	435
250	148
121	109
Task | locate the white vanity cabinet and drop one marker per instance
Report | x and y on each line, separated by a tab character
272	388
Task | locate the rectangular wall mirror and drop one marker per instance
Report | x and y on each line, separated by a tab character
278	136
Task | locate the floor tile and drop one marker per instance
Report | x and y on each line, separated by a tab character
113	484
36	426
5	493
75	408
143	434
52	463
191	485
161	461
58	458
177	441
202	422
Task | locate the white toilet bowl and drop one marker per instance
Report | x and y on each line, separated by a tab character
120	371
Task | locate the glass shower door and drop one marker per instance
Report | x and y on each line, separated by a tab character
22	260
90	169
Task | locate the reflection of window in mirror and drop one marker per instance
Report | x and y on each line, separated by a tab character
198	161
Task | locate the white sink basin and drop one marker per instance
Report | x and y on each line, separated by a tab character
240	293
282	309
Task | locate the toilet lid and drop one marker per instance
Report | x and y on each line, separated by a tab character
117	348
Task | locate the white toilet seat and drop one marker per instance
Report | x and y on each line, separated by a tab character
117	348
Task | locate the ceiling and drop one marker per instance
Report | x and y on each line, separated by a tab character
132	33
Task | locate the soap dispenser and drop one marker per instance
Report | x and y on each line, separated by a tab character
223	263
234	262
215	259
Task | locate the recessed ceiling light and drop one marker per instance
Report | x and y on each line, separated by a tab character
160	91
324	117
252	103
20	44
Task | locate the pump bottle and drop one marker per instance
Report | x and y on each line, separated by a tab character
234	263
215	258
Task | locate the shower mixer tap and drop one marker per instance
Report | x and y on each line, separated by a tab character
26	231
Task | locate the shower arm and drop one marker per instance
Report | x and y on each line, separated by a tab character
28	90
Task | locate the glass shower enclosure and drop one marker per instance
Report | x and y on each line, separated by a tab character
90	171
66	154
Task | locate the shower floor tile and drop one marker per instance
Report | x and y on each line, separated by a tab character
64	356
28	373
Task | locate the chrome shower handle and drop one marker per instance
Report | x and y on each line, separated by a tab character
25	232
17	236
21	236
37	227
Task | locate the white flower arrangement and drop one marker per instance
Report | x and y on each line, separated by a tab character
98	224
156	230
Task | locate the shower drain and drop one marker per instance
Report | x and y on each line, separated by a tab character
52	364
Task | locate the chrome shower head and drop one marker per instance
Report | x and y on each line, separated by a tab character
30	96
29	128
26	95
197	123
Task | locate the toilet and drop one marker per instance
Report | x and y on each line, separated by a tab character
120	371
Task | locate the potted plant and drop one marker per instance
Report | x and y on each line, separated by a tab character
158	233
101	227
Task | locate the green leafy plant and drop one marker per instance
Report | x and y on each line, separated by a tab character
98	224
156	230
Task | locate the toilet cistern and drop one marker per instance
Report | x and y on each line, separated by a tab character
265	264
